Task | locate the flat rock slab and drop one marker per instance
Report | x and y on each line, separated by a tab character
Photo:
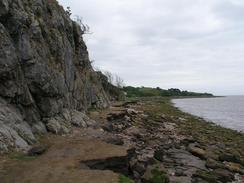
185	162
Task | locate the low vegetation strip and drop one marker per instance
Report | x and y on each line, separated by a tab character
152	92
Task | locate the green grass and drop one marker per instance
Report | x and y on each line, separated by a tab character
208	176
159	176
124	179
21	157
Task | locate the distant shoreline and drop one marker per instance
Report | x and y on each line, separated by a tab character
185	97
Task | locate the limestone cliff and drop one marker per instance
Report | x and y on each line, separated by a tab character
45	73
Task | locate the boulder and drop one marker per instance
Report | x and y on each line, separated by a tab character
179	173
213	164
15	132
230	158
131	111
58	126
224	175
216	176
134	131
234	167
78	119
196	151
10	139
37	150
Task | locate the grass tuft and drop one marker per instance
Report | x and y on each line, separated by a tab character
124	179
159	176
21	157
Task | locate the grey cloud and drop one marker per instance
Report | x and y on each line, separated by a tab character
192	44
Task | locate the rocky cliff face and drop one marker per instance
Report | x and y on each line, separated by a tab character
45	74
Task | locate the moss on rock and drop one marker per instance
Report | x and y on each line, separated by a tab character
124	179
156	174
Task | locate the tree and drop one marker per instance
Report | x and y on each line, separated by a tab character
114	79
119	82
109	76
68	11
85	29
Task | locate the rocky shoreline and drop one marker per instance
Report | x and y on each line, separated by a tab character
160	141
169	143
163	145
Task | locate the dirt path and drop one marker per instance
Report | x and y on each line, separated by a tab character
61	163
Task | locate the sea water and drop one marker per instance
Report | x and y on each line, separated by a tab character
225	111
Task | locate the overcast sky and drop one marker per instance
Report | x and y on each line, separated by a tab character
196	45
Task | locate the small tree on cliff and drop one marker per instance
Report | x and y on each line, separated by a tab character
119	82
114	79
68	11
84	27
109	76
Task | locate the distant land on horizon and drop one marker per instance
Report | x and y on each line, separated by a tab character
172	92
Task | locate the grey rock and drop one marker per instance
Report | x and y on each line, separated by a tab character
78	119
197	151
24	130
66	115
10	139
37	150
14	131
224	175
45	72
91	123
230	158
58	126
39	128
213	164
179	172
4	7
132	111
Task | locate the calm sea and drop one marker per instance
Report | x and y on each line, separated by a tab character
225	111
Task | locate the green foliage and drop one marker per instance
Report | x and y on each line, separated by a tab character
159	176
208	176
124	179
150	92
21	156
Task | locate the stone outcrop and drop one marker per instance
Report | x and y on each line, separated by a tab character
45	73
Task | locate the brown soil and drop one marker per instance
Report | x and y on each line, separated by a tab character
61	163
